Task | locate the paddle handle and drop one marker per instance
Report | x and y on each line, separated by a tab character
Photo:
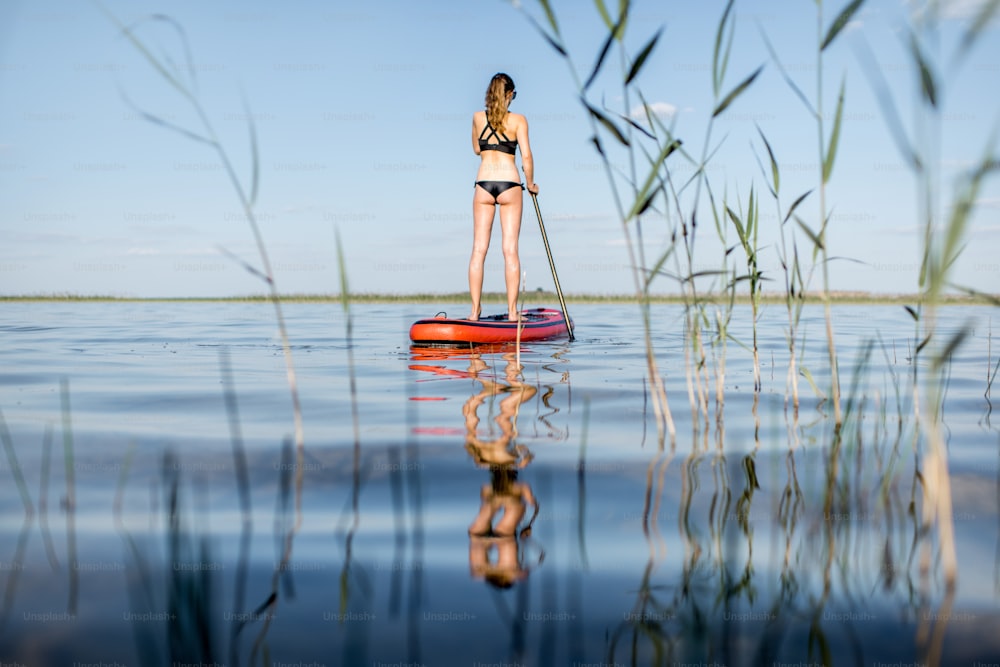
552	265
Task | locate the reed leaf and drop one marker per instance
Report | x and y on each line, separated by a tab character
982	20
156	63
607	123
988	298
597	145
550	15
840	23
739	226
719	68
648	202
959	219
928	87
949	348
642	197
603	11
788	79
775	174
913	313
817	242
763	171
658	266
795	205
797	270
640	59
165	124
892	119
254	155
924	265
736	92
600	58
812	383
922	344
553	42
638	126
831	151
246	265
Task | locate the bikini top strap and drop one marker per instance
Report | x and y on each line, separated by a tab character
493	133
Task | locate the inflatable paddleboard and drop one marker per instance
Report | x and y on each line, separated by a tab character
536	324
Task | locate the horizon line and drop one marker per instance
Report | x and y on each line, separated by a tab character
841	296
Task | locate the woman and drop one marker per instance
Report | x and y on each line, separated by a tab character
498	184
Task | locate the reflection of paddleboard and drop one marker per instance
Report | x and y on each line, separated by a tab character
536	324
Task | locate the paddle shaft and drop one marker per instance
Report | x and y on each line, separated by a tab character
552	265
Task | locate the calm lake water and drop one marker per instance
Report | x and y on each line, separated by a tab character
155	508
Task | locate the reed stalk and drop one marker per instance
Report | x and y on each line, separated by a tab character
17	562
43	498
187	89
943	243
70	499
242	473
603	123
747	226
795	287
206	135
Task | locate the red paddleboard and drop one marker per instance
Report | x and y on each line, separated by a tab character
536	324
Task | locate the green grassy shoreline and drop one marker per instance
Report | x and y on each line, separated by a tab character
531	299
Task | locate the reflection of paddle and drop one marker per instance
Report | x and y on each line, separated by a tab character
526	531
552	265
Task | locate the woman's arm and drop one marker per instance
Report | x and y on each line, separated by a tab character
475	139
527	161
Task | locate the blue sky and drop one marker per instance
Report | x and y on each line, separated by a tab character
362	112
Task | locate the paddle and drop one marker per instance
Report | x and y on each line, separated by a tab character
552	265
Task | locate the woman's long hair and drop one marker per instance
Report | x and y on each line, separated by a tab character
496	100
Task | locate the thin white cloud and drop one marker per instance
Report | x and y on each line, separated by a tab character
950	9
661	109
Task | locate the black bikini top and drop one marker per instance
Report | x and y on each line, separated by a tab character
505	146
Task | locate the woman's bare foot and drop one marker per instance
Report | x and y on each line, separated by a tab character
475	314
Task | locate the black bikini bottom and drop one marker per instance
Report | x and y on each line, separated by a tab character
496	188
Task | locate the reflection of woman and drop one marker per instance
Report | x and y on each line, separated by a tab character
494	549
501	450
503	572
489	539
503	494
496	135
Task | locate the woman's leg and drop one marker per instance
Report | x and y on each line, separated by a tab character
511	202
482	225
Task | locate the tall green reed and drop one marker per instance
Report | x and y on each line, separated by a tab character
606	126
30	510
944	222
193	597
794	284
747	227
186	87
648	148
70	499
827	147
845	479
